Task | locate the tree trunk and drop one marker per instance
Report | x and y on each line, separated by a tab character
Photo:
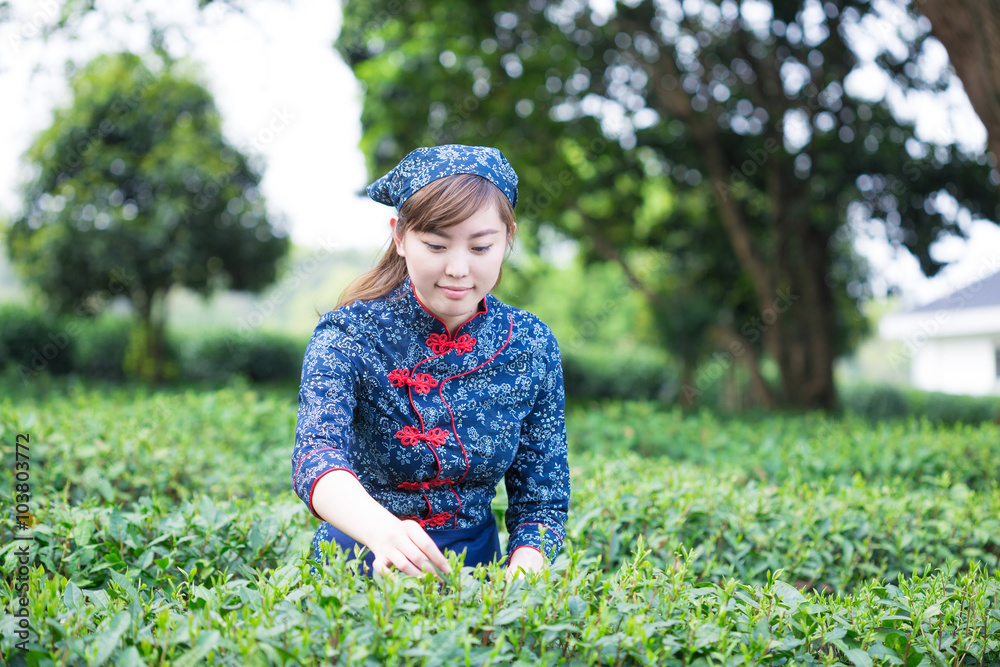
149	363
689	392
796	305
759	394
970	31
802	337
155	338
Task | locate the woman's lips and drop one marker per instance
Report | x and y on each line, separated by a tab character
455	292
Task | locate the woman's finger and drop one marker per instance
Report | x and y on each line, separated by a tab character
379	565
418	558
428	549
403	563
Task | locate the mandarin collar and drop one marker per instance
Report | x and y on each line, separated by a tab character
410	306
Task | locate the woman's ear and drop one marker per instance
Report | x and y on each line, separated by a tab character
510	234
396	239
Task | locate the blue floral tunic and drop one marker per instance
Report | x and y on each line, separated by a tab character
429	422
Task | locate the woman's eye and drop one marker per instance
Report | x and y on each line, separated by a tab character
434	247
482	248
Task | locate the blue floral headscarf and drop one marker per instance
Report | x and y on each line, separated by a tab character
424	165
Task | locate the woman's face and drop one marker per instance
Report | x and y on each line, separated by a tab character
454	268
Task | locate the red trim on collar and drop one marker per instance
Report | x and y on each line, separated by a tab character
486	309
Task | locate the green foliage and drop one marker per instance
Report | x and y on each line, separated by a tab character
116	443
636	373
606	332
875	402
133	190
778	448
592	306
887	402
149	358
167	534
951	409
114	348
31	342
640	130
102	343
259	357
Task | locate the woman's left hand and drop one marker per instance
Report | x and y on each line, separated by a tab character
526	559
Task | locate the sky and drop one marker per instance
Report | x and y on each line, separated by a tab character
273	68
285	94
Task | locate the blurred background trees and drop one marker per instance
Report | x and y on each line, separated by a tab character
722	140
712	164
135	190
970	31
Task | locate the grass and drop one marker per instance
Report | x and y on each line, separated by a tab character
166	532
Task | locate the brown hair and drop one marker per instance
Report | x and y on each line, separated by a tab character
440	204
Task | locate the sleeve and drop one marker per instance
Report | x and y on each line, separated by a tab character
537	483
323	432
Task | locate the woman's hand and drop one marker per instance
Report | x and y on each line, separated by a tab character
405	546
339	499
524	559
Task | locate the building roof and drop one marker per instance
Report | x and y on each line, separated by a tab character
982	294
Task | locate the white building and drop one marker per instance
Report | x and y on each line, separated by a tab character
953	343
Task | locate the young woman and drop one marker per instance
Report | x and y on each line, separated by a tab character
421	390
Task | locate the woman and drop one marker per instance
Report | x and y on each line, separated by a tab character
421	390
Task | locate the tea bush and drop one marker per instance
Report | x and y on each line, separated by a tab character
259	357
33	342
807	447
879	402
167	533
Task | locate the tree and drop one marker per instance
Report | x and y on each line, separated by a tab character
135	190
735	116
970	32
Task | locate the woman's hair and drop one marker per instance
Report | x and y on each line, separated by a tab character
440	204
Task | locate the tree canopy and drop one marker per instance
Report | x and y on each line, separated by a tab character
721	137
135	190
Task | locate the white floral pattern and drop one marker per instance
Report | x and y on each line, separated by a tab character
496	411
423	165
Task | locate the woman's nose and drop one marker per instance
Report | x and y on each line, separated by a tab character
458	265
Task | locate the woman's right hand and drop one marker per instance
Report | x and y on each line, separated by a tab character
340	499
403	545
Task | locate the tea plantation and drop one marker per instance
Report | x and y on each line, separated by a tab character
164	531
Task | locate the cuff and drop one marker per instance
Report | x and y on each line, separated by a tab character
313	488
538	536
312	467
